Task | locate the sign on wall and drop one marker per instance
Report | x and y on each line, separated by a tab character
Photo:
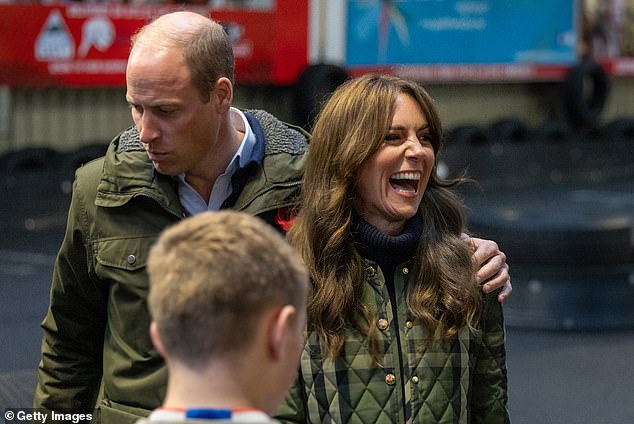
472	34
87	44
71	45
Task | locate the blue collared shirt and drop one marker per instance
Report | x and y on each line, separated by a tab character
193	203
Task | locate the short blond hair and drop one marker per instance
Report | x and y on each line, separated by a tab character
211	277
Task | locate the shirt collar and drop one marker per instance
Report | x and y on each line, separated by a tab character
244	154
246	415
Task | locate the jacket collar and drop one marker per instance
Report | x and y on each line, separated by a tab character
128	173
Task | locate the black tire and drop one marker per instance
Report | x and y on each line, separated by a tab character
4	159
509	130
620	130
570	298
586	90
468	134
313	87
593	134
85	154
557	226
552	132
30	159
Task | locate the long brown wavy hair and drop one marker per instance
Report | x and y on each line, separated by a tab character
349	129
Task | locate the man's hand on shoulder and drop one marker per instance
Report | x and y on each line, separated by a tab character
493	271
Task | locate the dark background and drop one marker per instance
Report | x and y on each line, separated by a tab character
573	376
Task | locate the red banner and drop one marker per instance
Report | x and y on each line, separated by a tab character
88	44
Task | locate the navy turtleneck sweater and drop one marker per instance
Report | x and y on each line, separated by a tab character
388	251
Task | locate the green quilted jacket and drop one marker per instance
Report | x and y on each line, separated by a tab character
462	380
96	349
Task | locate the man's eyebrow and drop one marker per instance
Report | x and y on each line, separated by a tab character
155	104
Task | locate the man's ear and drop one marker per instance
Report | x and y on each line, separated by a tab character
281	329
156	339
222	94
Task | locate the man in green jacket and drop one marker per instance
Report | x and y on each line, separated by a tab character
189	151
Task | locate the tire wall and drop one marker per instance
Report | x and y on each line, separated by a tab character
65	119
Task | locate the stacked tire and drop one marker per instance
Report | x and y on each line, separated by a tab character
563	212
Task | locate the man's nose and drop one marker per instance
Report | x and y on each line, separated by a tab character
148	129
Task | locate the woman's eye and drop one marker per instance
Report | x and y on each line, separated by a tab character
425	137
391	138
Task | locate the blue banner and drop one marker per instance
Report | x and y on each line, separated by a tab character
408	32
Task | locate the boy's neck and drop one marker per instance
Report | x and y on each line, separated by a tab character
217	387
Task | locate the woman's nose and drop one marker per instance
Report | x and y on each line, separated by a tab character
414	148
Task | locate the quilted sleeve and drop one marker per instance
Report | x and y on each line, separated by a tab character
293	408
489	396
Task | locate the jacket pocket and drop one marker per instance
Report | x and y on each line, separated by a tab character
128	351
115	413
123	254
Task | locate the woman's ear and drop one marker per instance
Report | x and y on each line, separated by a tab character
222	94
156	339
281	329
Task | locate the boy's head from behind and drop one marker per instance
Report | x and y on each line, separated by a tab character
225	287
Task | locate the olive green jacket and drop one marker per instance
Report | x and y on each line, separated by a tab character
462	380
96	346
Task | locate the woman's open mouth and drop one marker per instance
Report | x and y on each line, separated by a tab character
405	182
